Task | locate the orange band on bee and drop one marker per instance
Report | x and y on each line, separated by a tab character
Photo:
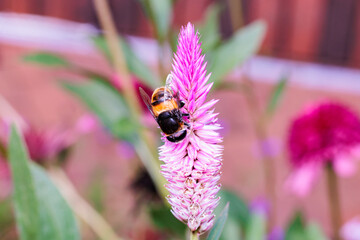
164	106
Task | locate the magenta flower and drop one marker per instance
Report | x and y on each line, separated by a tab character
323	133
192	166
42	145
45	145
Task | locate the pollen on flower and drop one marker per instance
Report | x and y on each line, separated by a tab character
192	166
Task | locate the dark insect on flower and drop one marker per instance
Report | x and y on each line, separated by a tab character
165	106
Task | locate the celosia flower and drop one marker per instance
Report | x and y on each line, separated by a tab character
192	166
326	132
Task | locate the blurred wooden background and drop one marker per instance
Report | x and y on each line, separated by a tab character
325	31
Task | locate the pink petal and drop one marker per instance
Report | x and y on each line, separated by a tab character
344	165
351	229
302	179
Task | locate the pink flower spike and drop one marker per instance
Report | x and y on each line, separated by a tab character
192	166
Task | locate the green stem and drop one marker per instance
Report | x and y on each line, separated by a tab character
161	55
334	202
111	36
80	207
261	134
194	235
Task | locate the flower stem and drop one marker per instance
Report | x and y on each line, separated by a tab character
334	202
111	36
194	235
261	134
80	207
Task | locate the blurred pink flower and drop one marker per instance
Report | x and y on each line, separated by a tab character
192	166
325	132
41	145
45	145
86	124
351	229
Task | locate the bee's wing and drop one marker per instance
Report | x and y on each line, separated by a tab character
145	97
168	83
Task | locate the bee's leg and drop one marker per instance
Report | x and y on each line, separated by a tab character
182	103
187	124
185	114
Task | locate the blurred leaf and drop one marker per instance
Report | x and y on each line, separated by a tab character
96	189
238	208
275	96
244	44
40	211
6	216
108	105
219	224
314	232
47	59
296	228
25	199
135	65
210	36
164	220
299	230
160	14
57	220
173	41
257	227
232	229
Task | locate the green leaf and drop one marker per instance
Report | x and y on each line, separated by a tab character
296	228
314	232
97	189
239	210
25	199
108	105
244	44
299	230
257	227
164	220
47	59
160	14
209	30
6	216
41	213
219	224
56	218
275	96
134	64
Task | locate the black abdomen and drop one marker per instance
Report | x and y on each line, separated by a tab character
168	122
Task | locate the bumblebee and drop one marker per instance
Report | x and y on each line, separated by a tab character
165	107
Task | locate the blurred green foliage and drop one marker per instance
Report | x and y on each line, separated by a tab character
164	220
240	47
41	212
297	229
219	224
234	219
276	95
